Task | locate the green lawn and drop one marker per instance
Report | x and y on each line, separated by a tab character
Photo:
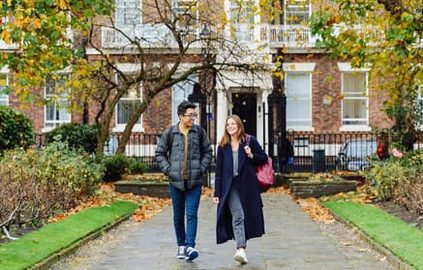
402	239
51	238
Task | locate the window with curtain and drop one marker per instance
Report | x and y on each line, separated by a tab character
298	100
355	99
128	13
56	111
4	83
127	104
242	17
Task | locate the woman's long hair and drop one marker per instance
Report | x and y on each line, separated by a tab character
226	138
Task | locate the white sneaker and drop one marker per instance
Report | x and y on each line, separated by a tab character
240	256
181	252
191	253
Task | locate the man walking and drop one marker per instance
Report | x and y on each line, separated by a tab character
184	154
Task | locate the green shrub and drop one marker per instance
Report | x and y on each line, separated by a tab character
115	167
136	166
76	135
70	168
38	184
399	179
384	177
15	129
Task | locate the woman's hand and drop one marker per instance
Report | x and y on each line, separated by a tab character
216	200
248	152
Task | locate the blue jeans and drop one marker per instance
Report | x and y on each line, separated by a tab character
185	201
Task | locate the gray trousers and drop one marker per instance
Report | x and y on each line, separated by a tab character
237	218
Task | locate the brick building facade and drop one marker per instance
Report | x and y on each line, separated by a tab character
323	94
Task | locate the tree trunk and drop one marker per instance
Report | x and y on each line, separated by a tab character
103	131
136	114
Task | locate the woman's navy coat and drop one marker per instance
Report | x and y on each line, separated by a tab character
249	190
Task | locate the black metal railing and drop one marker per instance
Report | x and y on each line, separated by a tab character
141	146
313	152
319	152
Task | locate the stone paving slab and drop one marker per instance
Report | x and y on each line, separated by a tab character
292	241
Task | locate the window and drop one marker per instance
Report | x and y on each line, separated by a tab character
56	111
355	99
128	13
4	83
181	92
186	13
298	100
126	105
242	16
297	12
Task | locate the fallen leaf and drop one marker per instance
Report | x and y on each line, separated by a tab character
315	210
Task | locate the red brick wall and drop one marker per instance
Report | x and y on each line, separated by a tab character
326	94
326	101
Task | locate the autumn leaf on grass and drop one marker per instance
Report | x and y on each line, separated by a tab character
358	197
57	218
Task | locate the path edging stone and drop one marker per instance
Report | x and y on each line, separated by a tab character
56	257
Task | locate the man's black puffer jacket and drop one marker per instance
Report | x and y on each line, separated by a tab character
170	155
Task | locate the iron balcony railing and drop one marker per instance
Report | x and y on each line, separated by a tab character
159	36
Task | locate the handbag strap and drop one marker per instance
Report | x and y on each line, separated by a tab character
247	140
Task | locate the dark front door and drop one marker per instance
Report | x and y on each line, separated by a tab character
245	106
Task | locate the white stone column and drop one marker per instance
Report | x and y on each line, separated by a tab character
221	114
260	115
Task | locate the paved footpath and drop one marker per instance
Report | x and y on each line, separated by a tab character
292	241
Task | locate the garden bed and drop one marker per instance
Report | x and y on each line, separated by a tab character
145	187
317	185
148	184
306	189
403	213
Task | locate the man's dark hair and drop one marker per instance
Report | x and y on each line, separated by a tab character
184	106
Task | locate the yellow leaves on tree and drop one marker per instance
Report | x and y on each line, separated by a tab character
5	36
62	4
36	23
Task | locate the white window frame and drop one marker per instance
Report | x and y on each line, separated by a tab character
301	3
120	127
50	124
301	68
4	98
128	9
185	89
180	7
244	29
346	68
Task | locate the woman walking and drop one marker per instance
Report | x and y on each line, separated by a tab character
237	192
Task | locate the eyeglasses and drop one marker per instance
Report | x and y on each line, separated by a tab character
191	115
